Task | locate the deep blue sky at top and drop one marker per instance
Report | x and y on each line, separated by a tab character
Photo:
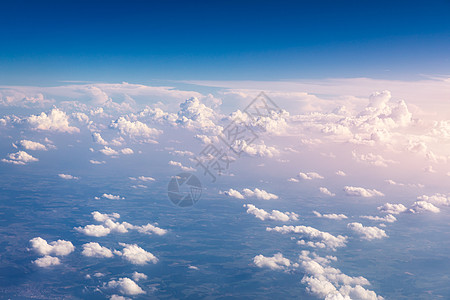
42	42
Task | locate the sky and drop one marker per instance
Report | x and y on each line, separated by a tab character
246	150
142	41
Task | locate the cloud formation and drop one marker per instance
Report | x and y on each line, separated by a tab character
275	215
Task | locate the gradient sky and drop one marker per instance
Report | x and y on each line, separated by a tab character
43	42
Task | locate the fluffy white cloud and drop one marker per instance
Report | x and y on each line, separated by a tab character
19	158
394	209
180	165
118	297
341	173
47	261
95	250
317	238
388	218
56	120
330	216
150	229
330	283
275	215
58	248
96	162
126	286
30	145
112	197
97	137
276	262
325	191
259	150
259	194
361	192
372	159
309	175
232	193
94	230
423	206
136	255
134	129
108	151
138	276
127	151
437	199
67	177
367	232
142	178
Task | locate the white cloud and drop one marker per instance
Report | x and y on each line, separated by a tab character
341	173
118	297
47	261
275	215
259	194
388	218
134	129
112	197
108	151
127	151
58	248
259	150
330	283
149	229
394	209
361	192
138	276
96	136
317	238
372	159
325	191
232	193
126	286
180	165
19	158
309	175
330	216
94	230
96	162
136	255
146	178
276	262
56	120
95	250
367	232
68	177
437	199
292	179
30	145
423	206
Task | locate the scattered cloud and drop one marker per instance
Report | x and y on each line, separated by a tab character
68	177
56	120
393	209
125	286
180	165
325	191
95	250
361	192
330	216
275	215
276	262
309	176
58	248
19	158
259	194
135	254
367	232
47	261
423	206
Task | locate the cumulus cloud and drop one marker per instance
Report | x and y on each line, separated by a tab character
19	158
47	261
94	230
423	206
56	120
330	283
341	173
136	255
276	262
275	215
125	286
372	159
138	276
361	192
388	218
67	177
393	209
232	193
367	232
436	199
134	129
142	178
127	151
259	194
95	250
325	191
259	150
112	197
30	145
108	151
97	137
96	162
330	216
316	237
58	248
309	175
180	165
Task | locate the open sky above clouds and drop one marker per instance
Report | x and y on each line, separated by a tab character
343	194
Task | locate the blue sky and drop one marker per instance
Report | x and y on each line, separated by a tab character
140	41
